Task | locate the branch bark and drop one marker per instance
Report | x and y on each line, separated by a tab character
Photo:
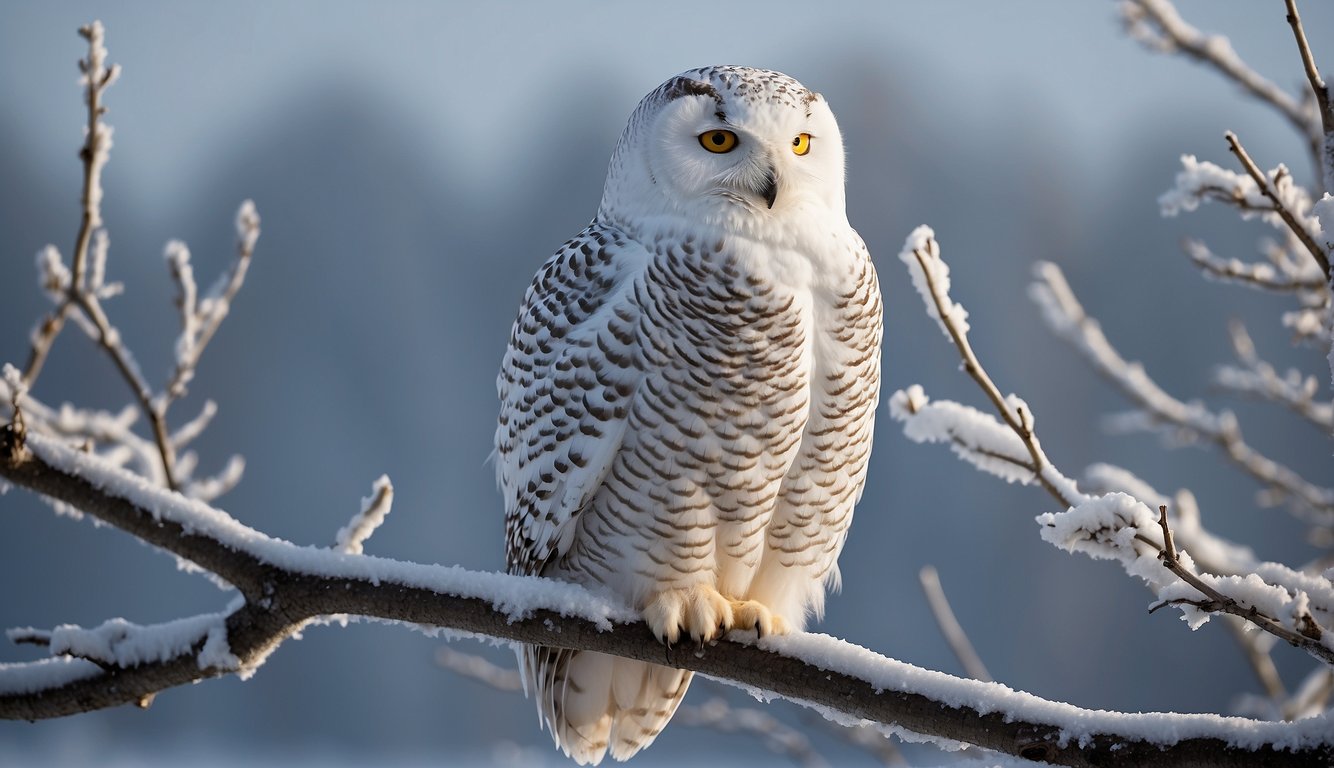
806	669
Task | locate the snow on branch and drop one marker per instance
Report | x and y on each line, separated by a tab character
374	509
930	277
284	585
1119	527
1288	604
1256	377
1068	320
1281	273
1274	196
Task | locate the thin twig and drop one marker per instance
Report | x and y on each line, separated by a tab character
108	338
1263	275
97	77
949	625
1322	96
1216	602
1216	52
1017	422
43	339
1263	182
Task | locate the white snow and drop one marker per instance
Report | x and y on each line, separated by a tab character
1077	724
976	437
921	253
125	644
178	258
374	509
515	596
45	674
1199	182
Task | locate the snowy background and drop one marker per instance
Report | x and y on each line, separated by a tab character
415	162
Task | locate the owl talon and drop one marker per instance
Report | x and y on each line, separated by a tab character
750	614
697	612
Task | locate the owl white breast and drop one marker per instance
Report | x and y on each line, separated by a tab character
689	392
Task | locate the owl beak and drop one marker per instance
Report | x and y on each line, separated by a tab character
770	189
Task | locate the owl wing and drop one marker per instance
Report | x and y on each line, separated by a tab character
565	387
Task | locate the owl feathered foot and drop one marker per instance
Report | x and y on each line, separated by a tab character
701	613
749	614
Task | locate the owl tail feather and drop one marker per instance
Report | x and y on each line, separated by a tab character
594	703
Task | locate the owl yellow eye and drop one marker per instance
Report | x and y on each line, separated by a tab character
718	141
801	144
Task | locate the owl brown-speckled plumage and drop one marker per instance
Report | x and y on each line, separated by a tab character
688	397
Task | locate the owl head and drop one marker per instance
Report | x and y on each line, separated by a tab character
730	146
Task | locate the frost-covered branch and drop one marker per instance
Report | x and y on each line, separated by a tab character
1119	527
284	585
930	276
78	290
1272	189
1158	25
1258	378
1280	274
1068	320
1291	605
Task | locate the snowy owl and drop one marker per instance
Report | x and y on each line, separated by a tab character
687	400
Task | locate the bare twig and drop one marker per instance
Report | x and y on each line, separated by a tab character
43	337
949	625
1321	92
78	292
1171	33
1263	182
97	77
207	315
475	667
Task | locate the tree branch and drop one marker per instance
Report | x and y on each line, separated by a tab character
1308	639
286	586
1263	182
1321	92
1068	320
1173	34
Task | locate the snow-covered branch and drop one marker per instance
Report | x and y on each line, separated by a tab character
284	585
1293	606
1281	273
930	276
1256	377
1068	320
78	291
